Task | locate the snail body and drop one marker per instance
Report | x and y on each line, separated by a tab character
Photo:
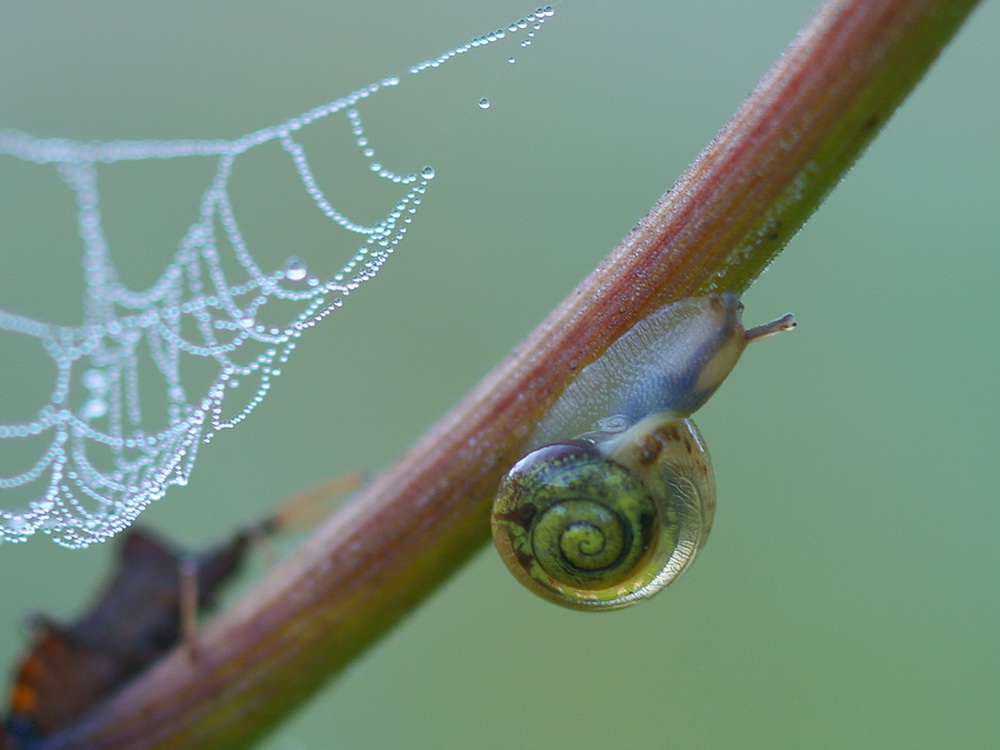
618	494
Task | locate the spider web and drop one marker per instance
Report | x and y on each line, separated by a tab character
100	454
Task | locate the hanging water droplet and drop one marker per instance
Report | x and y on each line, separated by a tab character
427	172
295	269
484	103
94	408
511	60
94	380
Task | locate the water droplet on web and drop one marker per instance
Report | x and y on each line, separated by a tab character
427	173
511	60
94	408
94	380
484	103
295	269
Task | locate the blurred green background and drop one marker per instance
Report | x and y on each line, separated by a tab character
848	597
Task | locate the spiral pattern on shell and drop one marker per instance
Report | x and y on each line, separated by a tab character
619	510
576	527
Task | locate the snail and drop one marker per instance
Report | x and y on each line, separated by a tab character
617	494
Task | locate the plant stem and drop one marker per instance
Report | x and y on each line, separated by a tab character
382	554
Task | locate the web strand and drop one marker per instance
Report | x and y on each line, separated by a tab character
103	455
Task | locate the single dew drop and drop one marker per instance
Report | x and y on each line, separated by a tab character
295	269
95	380
427	173
94	409
511	60
484	103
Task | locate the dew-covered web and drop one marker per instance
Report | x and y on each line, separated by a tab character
99	453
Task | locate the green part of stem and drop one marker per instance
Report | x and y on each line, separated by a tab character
722	223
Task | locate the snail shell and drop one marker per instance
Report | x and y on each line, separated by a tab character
618	496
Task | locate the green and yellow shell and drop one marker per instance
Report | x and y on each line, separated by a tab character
619	496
